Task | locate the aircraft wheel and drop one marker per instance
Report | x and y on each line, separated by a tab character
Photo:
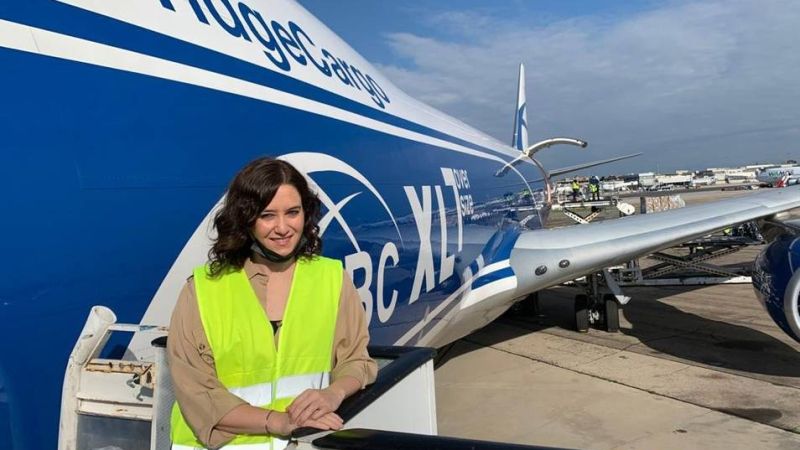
611	313
582	313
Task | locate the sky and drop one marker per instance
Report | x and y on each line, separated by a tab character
690	84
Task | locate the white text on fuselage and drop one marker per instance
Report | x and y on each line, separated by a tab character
420	199
277	40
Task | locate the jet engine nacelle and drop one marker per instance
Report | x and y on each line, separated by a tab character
776	280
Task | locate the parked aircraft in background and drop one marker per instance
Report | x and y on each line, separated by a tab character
122	122
779	176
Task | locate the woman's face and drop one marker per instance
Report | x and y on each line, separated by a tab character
280	224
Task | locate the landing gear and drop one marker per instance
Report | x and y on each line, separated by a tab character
596	309
530	305
611	313
582	313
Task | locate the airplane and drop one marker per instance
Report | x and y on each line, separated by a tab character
779	176
122	123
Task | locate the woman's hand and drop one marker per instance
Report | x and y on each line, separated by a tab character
314	404
281	424
330	421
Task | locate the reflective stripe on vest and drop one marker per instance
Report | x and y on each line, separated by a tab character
257	394
295	385
243	344
277	444
292	386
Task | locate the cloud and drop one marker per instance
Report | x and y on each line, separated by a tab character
690	84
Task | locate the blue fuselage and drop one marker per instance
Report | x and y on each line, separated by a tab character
108	173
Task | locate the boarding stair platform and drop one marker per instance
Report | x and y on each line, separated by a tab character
603	201
120	402
574	209
691	263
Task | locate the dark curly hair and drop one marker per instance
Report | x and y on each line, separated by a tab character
251	190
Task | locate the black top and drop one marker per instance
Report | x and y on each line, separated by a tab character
275	325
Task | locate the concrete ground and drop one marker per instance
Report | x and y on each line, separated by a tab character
692	367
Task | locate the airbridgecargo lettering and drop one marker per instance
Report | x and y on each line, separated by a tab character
281	44
420	200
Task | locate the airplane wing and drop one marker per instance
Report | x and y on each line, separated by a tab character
563	170
571	252
713	187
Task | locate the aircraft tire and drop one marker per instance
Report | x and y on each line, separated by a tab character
582	313
611	313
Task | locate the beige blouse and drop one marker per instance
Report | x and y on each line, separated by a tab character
204	401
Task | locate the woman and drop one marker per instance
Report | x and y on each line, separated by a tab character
269	336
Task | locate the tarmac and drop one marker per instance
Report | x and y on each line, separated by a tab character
692	367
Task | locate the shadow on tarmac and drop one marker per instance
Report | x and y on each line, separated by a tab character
666	329
659	329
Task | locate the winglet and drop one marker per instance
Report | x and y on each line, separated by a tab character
520	139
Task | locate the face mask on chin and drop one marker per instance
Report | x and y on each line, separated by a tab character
271	256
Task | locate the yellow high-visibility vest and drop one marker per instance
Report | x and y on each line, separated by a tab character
242	341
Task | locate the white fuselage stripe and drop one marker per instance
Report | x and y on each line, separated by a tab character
472	297
35	40
481	293
493	267
416	329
